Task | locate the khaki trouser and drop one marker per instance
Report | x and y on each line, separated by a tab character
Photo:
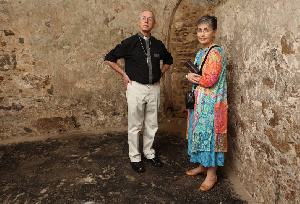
143	104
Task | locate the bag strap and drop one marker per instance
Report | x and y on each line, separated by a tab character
200	70
206	57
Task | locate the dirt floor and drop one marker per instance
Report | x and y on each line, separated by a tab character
96	169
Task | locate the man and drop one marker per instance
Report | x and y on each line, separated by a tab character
142	53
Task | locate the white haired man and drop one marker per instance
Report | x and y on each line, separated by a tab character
142	53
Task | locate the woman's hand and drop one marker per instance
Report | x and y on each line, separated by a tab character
194	78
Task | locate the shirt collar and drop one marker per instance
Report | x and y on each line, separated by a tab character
144	37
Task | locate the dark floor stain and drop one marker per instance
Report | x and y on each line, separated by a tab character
96	169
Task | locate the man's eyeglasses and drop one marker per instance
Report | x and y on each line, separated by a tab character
205	31
143	18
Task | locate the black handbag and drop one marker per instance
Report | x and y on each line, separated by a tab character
189	100
189	96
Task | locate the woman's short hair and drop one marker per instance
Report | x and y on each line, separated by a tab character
211	20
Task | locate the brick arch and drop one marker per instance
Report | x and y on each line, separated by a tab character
183	45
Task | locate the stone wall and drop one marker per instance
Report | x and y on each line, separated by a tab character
184	46
52	75
53	78
262	43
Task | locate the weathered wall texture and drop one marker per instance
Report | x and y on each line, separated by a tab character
262	43
52	75
53	78
184	45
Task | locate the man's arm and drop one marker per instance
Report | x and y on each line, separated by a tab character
167	59
164	68
117	68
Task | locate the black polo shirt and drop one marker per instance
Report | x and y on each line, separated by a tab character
133	50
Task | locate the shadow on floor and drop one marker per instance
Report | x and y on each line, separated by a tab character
96	169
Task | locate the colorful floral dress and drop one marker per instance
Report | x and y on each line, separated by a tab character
207	122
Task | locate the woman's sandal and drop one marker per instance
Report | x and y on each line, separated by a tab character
204	187
193	172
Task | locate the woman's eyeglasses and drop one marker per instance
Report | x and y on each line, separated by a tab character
205	31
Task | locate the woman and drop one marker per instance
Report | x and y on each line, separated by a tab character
207	122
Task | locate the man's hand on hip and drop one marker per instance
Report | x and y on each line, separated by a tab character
126	80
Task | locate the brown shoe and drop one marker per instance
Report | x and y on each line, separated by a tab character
194	172
204	187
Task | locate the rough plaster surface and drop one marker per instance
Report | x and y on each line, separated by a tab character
53	78
262	43
52	74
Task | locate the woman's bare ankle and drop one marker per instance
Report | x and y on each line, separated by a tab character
202	168
198	170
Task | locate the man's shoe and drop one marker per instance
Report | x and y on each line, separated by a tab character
155	162
138	166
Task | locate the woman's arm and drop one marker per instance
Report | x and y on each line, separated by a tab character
213	69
